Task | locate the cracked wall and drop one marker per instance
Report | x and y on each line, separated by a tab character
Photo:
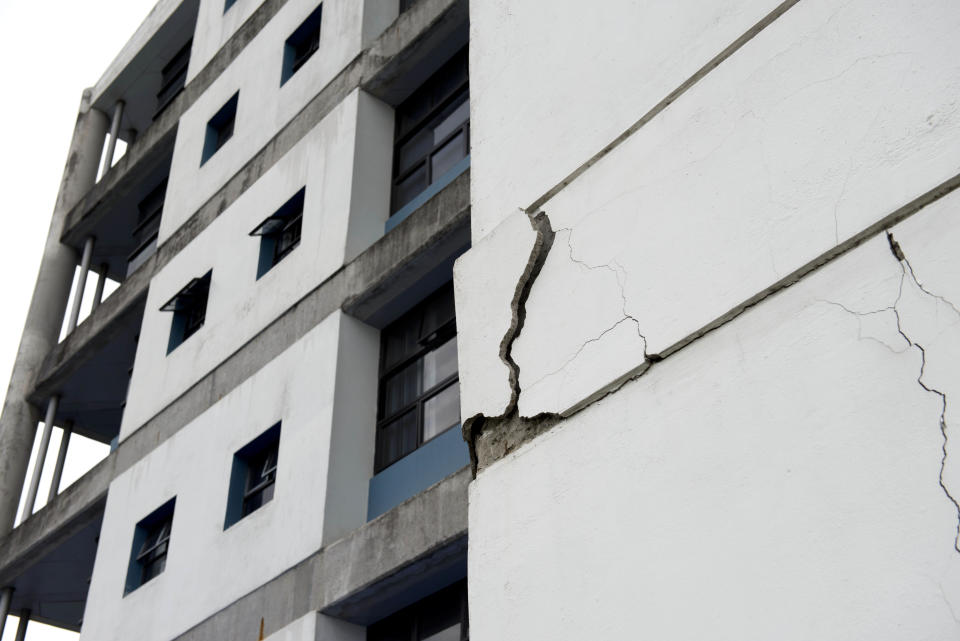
727	387
778	478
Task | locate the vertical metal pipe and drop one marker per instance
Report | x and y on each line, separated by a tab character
41	457
112	139
6	596
22	628
101	281
81	284
61	459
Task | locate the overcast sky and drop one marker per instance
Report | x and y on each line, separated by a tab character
49	52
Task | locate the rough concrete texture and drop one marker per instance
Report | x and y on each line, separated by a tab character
18	422
367	557
317	627
139	156
784	472
444	216
757	169
487	298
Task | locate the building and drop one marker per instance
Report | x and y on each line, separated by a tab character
656	300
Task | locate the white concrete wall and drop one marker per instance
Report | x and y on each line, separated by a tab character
802	138
239	305
777	479
208	568
549	88
264	106
783	476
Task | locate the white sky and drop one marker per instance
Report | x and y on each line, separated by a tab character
49	52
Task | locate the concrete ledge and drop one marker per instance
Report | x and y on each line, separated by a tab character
148	148
367	561
68	513
412	34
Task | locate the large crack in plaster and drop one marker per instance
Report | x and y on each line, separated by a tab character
473	427
908	272
619	274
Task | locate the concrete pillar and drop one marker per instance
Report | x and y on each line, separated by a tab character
6	595
81	284
61	460
22	628
31	500
98	292
18	420
112	140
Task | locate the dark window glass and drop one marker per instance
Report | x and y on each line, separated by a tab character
406	4
149	211
220	128
254	476
441	616
301	44
151	543
227	4
189	308
280	233
433	131
419	386
262	472
172	78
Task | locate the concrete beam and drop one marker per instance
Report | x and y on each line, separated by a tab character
18	421
410	247
161	133
368	561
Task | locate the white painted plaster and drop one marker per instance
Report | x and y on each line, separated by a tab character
214	28
776	479
239	304
264	106
318	627
352	441
485	281
209	568
549	88
802	138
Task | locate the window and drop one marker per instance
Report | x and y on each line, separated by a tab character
227	4
280	233
419	386
301	44
148	227
189	308
220	128
441	616
406	4
151	542
432	131
172	77
253	476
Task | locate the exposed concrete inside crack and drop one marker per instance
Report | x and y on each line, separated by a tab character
474	427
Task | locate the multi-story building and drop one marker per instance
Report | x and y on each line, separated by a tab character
686	272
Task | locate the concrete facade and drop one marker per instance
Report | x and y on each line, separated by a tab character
714	401
706	327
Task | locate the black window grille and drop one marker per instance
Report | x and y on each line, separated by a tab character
280	233
262	473
149	211
189	307
432	131
172	78
419	394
